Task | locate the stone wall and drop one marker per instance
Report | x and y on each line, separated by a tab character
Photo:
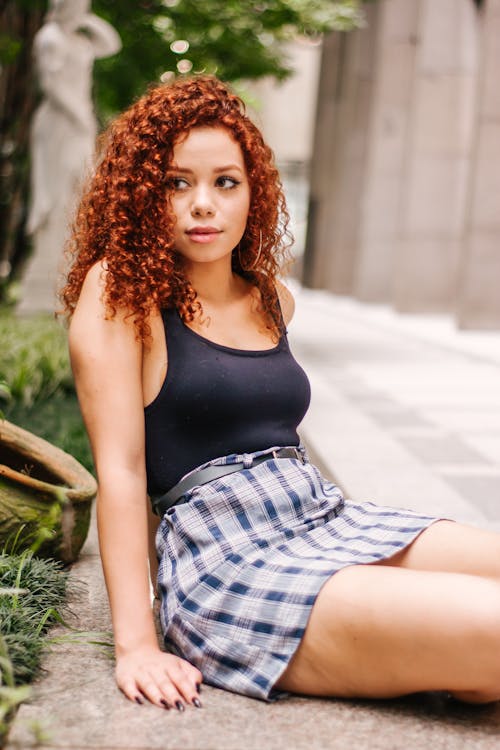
404	190
479	272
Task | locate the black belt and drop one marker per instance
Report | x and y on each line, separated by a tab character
162	503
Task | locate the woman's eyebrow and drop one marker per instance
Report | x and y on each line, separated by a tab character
178	168
217	170
228	168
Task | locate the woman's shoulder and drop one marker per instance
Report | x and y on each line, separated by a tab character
286	300
93	323
92	293
94	320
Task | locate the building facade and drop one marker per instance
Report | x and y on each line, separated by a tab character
404	202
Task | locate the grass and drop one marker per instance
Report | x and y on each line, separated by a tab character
31	591
34	364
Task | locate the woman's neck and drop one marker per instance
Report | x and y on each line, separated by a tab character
215	283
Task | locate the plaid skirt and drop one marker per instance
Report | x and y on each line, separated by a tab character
242	561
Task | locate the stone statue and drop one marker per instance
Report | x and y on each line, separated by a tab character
62	137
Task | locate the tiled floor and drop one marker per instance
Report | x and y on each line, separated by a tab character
431	388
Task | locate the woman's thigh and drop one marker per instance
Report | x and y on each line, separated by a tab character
378	631
454	548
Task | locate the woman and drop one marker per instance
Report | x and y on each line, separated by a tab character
269	581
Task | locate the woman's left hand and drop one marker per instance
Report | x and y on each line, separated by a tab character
164	679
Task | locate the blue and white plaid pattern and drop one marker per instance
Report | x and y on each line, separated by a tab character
242	561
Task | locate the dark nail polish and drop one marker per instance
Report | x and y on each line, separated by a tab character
164	703
198	687
179	706
138	700
197	702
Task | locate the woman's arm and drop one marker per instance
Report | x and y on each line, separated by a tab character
107	361
153	523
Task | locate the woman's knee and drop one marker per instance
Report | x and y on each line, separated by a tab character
454	548
483	641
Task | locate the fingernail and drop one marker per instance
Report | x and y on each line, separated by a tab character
197	702
138	700
179	706
198	687
164	703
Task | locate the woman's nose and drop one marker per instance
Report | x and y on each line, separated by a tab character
202	204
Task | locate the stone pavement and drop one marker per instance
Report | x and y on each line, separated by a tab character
405	411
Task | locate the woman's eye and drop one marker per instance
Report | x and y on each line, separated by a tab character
179	183
226	182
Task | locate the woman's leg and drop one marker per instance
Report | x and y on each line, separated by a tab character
454	548
408	625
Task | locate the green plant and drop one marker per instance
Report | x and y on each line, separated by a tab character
39	585
31	590
5	395
35	363
237	40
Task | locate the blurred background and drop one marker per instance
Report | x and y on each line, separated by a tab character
383	115
47	53
401	150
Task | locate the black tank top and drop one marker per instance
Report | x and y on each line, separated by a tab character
217	400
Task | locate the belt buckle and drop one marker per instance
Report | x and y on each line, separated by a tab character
299	455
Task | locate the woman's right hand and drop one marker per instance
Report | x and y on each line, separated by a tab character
164	679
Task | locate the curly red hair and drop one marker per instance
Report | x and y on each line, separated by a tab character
124	217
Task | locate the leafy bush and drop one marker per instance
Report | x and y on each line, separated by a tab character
31	589
35	363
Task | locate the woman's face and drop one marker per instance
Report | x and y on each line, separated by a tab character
210	195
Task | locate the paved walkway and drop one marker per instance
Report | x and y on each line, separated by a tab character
405	411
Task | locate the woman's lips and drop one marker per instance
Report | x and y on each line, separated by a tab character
203	234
